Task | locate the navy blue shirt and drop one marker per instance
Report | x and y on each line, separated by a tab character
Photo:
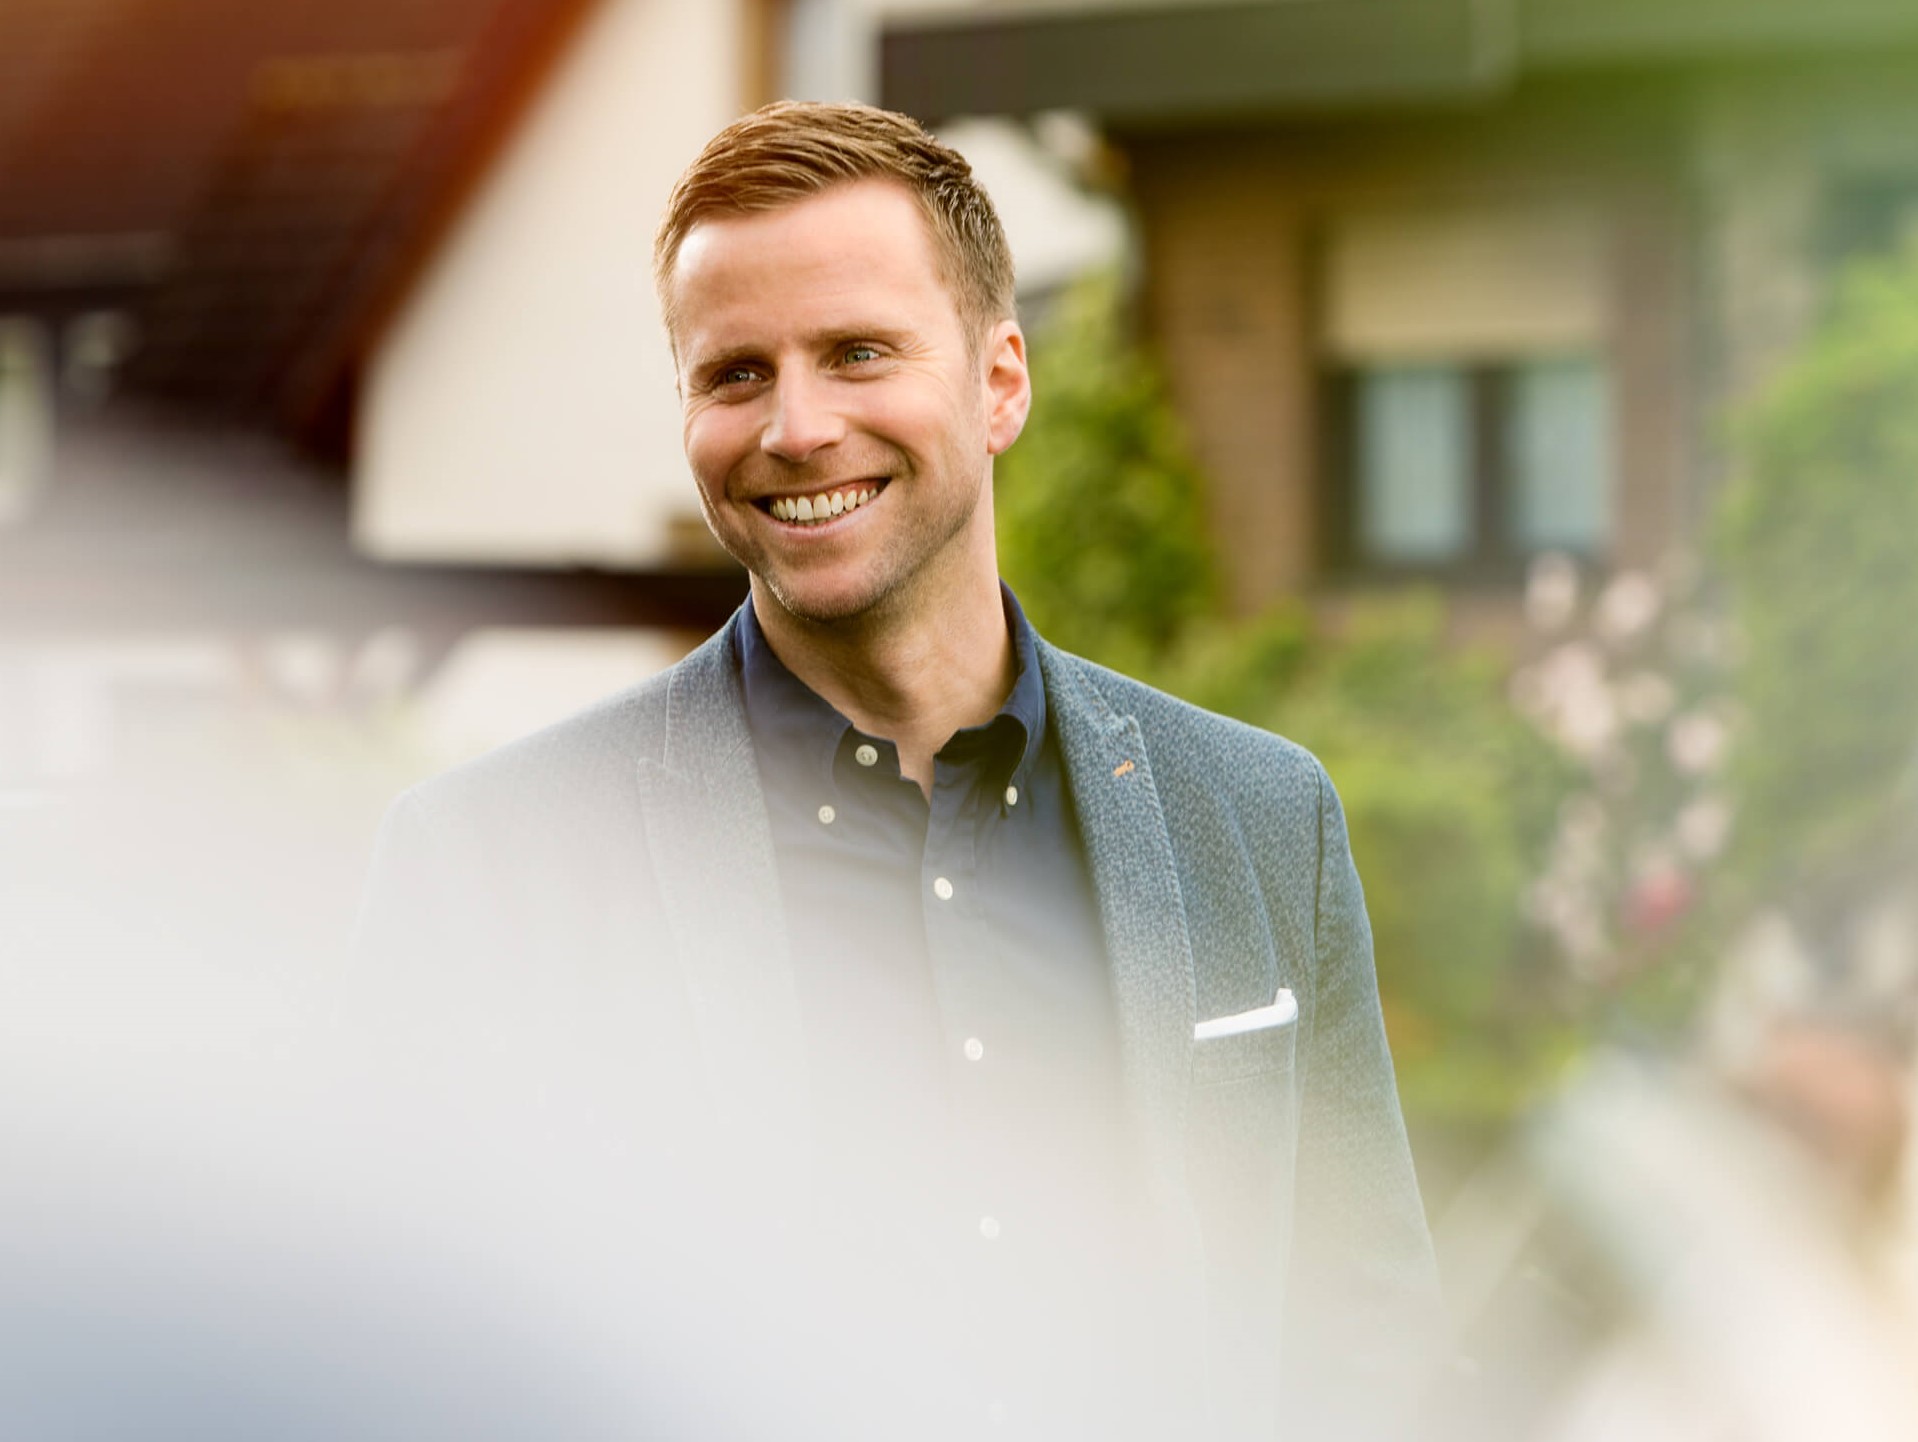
952	977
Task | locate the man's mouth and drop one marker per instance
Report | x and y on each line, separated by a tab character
814	509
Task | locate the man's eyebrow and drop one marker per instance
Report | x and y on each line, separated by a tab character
890	335
838	335
709	361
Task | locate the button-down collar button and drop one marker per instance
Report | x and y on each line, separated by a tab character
826	815
975	1049
866	755
1012	796
942	889
989	1228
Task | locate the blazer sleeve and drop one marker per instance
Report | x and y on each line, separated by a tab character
1364	1324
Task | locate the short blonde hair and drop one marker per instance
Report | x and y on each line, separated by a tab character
790	150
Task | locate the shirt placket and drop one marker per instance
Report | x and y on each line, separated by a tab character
985	1223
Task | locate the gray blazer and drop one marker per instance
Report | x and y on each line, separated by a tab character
629	848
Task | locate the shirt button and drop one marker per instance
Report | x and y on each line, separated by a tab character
942	889
866	755
975	1049
989	1228
826	815
996	1414
1012	796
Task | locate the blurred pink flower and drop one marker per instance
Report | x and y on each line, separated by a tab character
1626	607
1696	742
1567	912
1656	899
1703	827
1567	694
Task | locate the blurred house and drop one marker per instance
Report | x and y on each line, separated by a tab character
327	341
223	394
1441	284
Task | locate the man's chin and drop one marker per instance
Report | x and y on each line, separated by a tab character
814	601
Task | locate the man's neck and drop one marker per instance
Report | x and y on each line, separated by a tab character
913	680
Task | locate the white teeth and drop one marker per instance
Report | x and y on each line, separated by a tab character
822	507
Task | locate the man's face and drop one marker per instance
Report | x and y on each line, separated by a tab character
821	355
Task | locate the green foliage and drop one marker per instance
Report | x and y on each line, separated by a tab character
1448	794
1101	511
1819	545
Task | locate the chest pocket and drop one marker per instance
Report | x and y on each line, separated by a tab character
1242	1122
1220	1060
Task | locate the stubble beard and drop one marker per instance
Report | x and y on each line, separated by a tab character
900	581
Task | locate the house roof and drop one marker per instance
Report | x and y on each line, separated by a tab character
256	181
1163	62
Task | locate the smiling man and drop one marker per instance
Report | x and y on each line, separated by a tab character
842	407
1034	1006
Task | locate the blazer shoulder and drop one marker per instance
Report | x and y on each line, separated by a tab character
1185	740
601	743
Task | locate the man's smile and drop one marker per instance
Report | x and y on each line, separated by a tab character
821	506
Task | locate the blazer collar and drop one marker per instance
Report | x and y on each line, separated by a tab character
1135	876
712	853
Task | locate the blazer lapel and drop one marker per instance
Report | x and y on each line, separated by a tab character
1129	853
712	852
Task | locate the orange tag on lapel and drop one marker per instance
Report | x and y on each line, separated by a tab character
1122	768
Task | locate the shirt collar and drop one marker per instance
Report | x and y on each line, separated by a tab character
1027	703
790	719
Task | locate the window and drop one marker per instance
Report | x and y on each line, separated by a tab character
1557	464
1415	463
1470	423
1471	467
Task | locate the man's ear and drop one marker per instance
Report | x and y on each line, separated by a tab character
1008	385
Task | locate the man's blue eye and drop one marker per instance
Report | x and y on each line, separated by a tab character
860	353
735	375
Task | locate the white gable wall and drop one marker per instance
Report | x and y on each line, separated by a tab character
521	409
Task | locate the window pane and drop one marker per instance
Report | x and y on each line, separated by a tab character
1558	456
1415	466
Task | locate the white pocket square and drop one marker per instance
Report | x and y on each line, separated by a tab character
1283	1009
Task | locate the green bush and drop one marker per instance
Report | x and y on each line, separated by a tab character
1101	512
1819	547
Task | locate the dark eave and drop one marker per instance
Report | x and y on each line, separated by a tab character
1172	63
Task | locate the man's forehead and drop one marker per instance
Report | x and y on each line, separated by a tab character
858	255
852	218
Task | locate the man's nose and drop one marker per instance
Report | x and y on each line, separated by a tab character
803	419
